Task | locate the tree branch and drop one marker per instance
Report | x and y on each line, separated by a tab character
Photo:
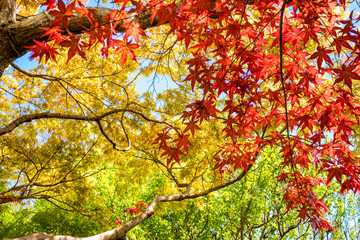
46	115
102	130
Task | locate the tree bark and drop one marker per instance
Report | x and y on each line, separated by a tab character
7	12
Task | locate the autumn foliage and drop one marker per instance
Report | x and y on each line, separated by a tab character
275	73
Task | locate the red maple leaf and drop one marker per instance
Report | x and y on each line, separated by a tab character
161	139
346	74
133	29
321	54
183	141
334	169
76	46
125	50
54	33
192	127
86	12
40	49
172	153
62	14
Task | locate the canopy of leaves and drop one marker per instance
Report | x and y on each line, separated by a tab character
263	100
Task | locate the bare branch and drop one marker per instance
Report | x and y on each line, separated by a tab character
48	115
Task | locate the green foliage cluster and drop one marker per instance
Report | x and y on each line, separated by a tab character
43	216
250	209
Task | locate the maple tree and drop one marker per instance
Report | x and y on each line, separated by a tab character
264	74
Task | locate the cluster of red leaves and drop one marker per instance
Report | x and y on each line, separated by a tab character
173	150
308	111
318	121
103	33
140	206
118	222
